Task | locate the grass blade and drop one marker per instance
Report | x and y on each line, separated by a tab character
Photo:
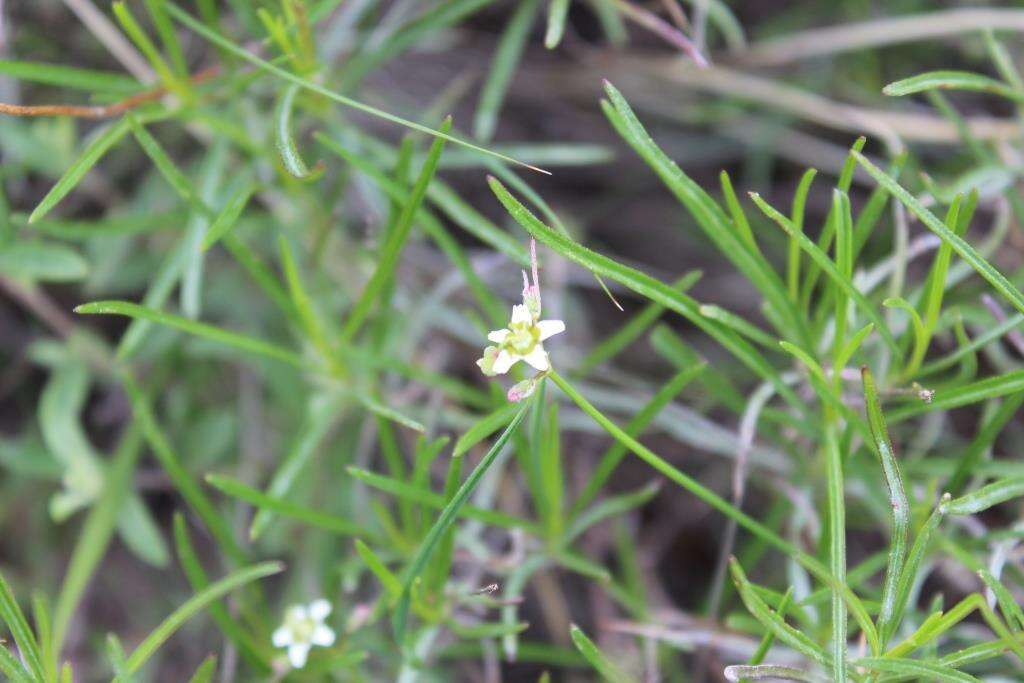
445	520
503	66
320	520
307	84
951	80
998	281
197	603
11	614
387	260
602	663
233	339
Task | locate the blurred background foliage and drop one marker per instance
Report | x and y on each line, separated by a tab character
144	457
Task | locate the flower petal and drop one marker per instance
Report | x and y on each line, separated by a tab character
498	336
520	314
549	328
538	358
319	609
282	637
297	654
295	613
503	362
322	636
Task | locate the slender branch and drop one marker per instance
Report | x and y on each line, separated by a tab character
100	111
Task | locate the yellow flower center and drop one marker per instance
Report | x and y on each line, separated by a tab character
523	338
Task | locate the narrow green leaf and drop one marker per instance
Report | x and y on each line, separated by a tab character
197	603
11	614
42	261
392	584
602	663
387	260
611	458
709	216
772	621
898	503
406	491
241	636
829	268
558	11
503	67
70	77
285	142
445	520
74	173
484	427
225	221
321	520
206	671
307	84
916	669
982	499
961	247
233	339
951	80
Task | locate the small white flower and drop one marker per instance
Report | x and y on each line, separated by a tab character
523	339
303	628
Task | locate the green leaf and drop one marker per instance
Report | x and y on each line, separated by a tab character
43	261
197	578
12	668
611	458
998	281
772	621
406	491
233	339
73	175
484	427
503	67
718	503
626	334
445	520
829	267
321	520
951	80
11	614
95	534
392	584
982	499
966	394
307	84
558	11
206	671
284	141
180	477
387	260
709	216
228	216
898	503
602	663
194	605
916	669
70	77
1012	612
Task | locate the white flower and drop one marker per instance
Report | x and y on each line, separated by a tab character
522	340
303	628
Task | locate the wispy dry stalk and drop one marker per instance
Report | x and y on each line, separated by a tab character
889	31
664	30
98	111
